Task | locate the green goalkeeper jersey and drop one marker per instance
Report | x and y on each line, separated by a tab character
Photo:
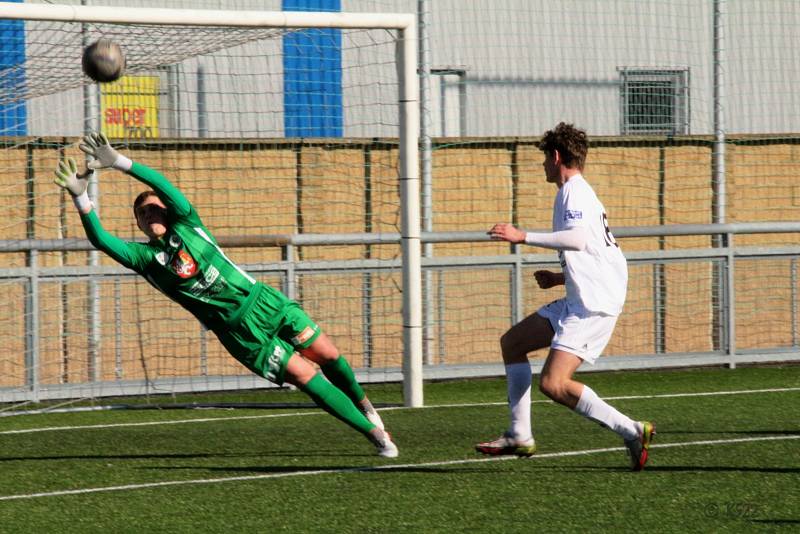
186	265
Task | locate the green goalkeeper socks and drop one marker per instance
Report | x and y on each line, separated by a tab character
341	375
332	400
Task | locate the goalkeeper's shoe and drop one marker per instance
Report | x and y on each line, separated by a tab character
638	448
372	416
386	447
507	445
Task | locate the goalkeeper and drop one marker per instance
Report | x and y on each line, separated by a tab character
259	326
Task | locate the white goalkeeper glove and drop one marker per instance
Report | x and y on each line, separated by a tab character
97	146
75	184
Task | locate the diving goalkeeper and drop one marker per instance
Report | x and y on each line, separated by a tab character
257	324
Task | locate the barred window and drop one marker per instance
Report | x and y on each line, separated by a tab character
654	101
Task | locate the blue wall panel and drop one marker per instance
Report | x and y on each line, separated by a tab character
312	76
13	110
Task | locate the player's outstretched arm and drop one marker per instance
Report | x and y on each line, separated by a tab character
76	184
98	147
571	239
507	232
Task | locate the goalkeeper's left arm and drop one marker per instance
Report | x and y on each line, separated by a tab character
76	184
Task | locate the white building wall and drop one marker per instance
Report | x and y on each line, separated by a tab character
528	64
531	63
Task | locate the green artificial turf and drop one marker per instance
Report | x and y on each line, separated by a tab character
300	470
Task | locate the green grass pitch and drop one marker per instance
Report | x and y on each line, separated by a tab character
724	460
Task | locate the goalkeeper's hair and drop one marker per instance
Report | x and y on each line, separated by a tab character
144	195
570	142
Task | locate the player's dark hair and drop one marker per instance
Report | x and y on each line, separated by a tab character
571	143
144	195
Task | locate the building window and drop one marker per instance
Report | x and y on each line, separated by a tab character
654	101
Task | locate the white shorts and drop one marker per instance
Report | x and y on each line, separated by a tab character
579	332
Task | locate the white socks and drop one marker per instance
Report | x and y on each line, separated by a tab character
593	407
518	378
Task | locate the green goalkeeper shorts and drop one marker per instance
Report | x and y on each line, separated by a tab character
265	337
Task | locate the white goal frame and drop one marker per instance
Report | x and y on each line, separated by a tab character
408	107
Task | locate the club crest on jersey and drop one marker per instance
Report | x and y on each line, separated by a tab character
183	264
572	215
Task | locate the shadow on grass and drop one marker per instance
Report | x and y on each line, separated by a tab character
388	468
111	457
722	469
261	469
185	456
529	465
675	469
795	432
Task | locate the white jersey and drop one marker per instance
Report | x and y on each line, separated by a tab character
597	277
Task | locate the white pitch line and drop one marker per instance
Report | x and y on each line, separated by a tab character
148	485
320	412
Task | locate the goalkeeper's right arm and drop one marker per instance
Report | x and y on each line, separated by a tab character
120	250
97	146
75	184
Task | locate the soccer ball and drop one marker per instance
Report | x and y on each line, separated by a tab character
103	61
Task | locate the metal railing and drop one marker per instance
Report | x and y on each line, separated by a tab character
33	275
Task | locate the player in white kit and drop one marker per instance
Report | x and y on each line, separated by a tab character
577	327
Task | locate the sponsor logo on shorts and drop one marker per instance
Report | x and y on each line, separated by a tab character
305	335
274	363
572	215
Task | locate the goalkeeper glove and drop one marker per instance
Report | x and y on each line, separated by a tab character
97	146
75	184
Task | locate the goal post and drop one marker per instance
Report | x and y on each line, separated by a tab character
143	20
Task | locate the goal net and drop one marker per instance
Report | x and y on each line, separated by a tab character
284	130
288	138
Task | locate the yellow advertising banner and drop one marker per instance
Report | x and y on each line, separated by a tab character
129	107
